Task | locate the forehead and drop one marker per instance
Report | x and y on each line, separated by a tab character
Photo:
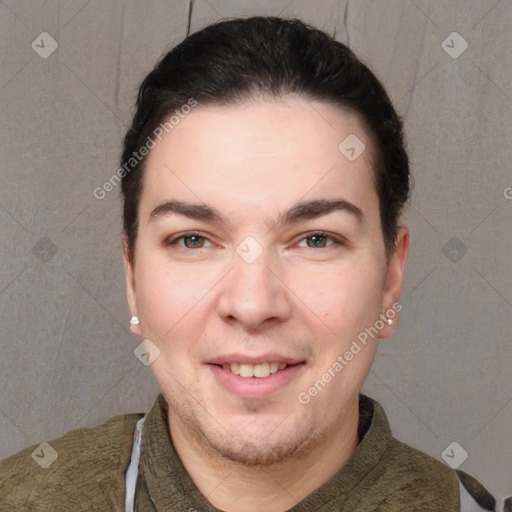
260	156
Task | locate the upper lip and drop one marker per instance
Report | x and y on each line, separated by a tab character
245	359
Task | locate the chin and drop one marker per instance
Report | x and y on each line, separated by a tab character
253	438
259	446
259	455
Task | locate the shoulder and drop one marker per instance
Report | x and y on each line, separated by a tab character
420	479
71	472
404	478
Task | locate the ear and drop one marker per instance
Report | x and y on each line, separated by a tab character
395	279
130	286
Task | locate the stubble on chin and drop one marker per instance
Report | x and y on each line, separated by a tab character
217	443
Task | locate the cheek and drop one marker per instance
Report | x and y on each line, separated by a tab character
346	296
165	297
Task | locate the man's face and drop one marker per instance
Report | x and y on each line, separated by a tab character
251	289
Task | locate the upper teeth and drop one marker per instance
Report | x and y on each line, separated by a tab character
254	370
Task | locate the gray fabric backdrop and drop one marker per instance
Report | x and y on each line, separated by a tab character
67	354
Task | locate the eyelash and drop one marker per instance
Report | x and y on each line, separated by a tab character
332	238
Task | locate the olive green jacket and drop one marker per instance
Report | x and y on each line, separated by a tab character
88	473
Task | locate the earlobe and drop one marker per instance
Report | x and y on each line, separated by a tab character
130	289
135	325
395	279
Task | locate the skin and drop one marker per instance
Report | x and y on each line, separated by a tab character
303	297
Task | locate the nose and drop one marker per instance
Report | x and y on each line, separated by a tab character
254	293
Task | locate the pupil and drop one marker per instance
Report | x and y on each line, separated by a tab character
194	239
318	239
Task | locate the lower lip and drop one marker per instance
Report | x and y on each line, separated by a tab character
256	387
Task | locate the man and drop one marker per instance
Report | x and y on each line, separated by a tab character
263	179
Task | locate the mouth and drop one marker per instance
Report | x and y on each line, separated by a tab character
258	379
260	370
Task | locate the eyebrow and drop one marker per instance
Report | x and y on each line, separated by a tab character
303	210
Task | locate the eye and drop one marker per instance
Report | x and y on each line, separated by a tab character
319	240
191	240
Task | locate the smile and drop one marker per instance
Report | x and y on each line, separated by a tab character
259	380
260	370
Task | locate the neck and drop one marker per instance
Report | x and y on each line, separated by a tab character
232	486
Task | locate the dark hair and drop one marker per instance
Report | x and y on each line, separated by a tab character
235	60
